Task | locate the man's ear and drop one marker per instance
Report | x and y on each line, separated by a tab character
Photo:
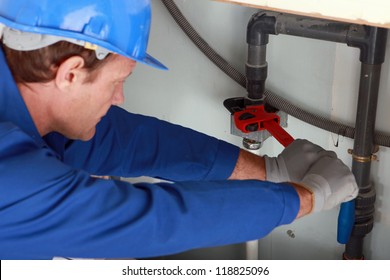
70	72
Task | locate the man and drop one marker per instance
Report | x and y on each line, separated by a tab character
63	65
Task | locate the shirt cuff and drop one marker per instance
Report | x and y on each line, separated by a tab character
225	161
291	202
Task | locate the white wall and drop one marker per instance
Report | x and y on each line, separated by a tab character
319	76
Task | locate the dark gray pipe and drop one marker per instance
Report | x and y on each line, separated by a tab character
256	70
265	22
365	119
362	153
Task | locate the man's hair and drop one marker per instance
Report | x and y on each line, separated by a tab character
41	65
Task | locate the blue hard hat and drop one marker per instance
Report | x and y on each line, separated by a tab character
120	26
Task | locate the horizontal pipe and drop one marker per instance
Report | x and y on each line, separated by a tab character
312	28
365	38
263	23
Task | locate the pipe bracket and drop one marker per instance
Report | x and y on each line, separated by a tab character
362	159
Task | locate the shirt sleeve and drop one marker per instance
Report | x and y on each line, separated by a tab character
131	145
49	208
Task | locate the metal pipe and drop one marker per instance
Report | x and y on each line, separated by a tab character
362	154
313	28
256	70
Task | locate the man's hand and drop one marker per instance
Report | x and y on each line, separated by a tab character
293	163
331	182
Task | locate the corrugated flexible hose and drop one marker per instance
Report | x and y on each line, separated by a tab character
276	101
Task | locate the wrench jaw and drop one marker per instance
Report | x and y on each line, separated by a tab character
255	124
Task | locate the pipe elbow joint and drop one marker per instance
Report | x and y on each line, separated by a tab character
259	27
371	41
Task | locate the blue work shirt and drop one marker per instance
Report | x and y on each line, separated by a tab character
51	206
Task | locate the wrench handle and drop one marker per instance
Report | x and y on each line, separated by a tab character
279	133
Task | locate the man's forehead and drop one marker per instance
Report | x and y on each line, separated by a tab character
123	66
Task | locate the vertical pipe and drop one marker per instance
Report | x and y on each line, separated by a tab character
365	120
256	69
256	72
362	152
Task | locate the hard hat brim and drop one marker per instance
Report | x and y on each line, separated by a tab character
151	61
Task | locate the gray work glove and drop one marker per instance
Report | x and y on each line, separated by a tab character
293	163
331	183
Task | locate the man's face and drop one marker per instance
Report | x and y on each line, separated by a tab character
89	101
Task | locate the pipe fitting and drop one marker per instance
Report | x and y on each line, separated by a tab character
259	26
370	40
366	197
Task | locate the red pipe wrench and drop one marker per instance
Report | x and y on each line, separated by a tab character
255	118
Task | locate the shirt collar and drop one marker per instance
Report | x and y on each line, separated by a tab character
12	106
